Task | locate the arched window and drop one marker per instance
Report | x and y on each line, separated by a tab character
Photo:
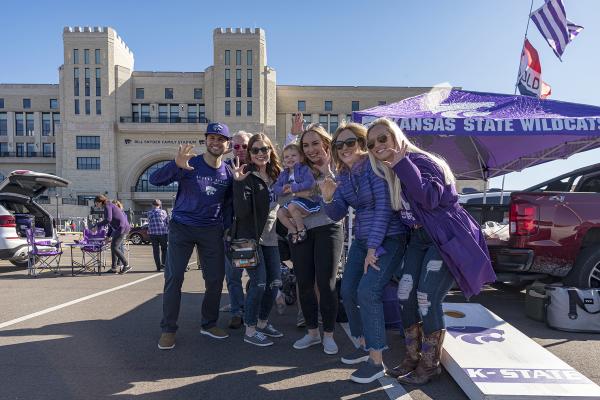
143	183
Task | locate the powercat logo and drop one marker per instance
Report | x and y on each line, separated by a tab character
476	334
458	110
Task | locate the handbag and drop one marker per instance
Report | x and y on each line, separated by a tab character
572	309
244	252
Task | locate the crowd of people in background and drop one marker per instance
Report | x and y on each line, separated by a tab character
408	225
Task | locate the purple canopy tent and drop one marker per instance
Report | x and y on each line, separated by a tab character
484	135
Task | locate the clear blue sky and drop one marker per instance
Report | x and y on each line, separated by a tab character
470	43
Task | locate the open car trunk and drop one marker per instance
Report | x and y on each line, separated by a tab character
22	206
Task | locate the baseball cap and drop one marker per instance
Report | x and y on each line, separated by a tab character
218	128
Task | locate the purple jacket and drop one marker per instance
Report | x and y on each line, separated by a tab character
456	234
116	219
303	178
369	195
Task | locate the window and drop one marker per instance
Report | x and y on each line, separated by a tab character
591	184
55	122
75	56
3	124
307	119
135	112
53	104
88	162
46	124
145	113
76	81
381	103
139	93
301	105
143	184
1	103
227	57
333	123
238	57
87	81
197	93
26	103
227	108
19	124
98	82
20	147
192	115
355	105
249	83
174	113
31	150
86	56
82	200
238	108
202	113
249	108
87	107
168	93
98	107
77	106
249	57
97	56
324	121
29	122
3	151
163	113
328	105
238	83
227	83
48	150
87	142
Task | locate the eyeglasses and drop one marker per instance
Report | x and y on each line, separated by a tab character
383	138
240	146
350	143
256	150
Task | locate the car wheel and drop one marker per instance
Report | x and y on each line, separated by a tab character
586	271
19	263
136	239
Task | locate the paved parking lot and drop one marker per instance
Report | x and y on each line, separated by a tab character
90	336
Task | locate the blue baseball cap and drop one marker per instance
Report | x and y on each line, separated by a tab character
217	128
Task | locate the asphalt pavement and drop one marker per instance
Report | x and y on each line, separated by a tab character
90	336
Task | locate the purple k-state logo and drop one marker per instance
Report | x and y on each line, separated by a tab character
476	334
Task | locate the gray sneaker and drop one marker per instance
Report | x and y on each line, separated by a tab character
357	356
269	331
258	339
329	345
306	341
368	372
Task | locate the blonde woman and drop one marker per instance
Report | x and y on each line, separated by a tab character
445	245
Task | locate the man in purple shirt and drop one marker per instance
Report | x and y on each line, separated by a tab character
201	213
158	229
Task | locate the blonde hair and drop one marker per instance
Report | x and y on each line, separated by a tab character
118	203
386	173
361	135
318	130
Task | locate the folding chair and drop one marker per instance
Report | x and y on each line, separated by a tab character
92	249
42	254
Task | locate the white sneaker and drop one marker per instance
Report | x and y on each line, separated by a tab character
306	341
329	345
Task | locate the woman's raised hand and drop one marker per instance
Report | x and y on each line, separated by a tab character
399	154
298	124
327	187
238	170
184	155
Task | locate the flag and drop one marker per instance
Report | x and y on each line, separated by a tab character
551	20
530	73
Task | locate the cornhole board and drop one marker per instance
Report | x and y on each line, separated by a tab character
490	359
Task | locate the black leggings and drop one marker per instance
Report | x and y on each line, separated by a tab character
116	252
318	257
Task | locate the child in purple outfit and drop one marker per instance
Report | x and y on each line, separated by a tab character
296	179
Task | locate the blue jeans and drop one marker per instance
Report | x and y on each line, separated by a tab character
366	290
233	276
424	283
265	279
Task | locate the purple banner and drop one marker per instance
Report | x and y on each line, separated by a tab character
526	375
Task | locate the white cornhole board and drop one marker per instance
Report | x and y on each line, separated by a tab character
490	359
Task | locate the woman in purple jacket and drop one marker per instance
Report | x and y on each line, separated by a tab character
376	252
117	220
446	245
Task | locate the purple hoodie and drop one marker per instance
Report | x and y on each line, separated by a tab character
116	218
456	234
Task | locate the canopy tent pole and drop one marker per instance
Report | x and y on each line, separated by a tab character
483	167
502	190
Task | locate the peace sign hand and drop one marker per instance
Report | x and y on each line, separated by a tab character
184	154
398	155
297	124
238	170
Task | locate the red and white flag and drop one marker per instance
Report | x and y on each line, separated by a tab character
530	74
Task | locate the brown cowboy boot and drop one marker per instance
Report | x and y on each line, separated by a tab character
413	337
429	365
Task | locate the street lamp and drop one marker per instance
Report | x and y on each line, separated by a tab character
57	217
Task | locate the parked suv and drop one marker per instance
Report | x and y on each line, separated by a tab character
17	194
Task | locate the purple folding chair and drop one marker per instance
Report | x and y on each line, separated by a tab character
42	254
94	246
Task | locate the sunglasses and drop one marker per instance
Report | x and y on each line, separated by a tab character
240	146
383	138
256	150
350	143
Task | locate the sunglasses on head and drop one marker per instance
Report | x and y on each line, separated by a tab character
256	150
350	143
383	138
240	146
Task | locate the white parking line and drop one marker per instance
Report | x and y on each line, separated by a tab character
392	388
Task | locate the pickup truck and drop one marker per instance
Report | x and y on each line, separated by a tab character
554	231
